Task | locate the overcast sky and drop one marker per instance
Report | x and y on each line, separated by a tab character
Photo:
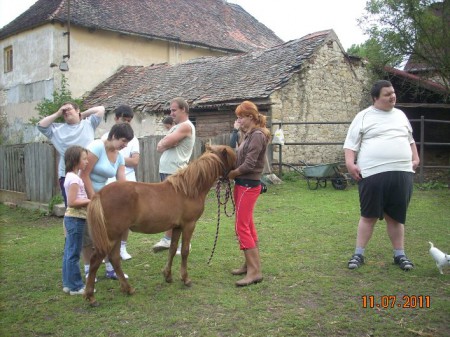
289	19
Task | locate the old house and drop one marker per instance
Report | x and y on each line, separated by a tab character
88	41
309	80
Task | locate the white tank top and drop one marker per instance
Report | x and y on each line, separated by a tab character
178	156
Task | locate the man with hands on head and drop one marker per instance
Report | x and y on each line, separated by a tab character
78	129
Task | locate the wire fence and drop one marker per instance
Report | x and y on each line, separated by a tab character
423	146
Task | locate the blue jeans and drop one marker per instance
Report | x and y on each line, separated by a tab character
72	249
63	190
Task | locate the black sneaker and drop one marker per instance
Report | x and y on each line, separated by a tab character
403	262
355	261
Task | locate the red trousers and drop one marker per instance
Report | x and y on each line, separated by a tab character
245	200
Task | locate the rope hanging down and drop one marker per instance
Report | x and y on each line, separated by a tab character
228	195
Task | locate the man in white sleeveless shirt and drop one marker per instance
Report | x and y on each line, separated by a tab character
176	148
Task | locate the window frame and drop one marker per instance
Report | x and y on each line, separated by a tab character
8	56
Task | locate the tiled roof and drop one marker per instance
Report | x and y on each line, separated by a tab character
211	81
418	81
210	23
414	67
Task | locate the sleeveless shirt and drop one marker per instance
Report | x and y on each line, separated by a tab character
178	156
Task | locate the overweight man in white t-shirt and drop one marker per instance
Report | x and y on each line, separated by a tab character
381	155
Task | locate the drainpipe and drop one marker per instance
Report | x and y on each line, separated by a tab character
63	66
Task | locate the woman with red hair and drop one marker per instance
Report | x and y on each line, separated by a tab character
247	177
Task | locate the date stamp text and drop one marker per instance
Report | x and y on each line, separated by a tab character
394	301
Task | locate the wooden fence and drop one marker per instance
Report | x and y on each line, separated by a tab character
32	168
147	170
12	173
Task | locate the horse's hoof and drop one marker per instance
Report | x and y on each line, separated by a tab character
125	289
167	276
131	291
92	301
188	283
94	304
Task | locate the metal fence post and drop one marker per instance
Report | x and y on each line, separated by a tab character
422	148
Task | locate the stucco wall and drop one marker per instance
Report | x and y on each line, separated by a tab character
328	89
94	56
30	81
98	55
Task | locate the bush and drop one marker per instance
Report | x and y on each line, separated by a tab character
48	107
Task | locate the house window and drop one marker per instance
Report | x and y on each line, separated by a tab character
8	59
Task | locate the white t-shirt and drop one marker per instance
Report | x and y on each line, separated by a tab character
131	148
382	139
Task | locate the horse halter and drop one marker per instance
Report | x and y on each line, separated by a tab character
225	172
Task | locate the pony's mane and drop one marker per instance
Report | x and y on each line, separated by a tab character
198	176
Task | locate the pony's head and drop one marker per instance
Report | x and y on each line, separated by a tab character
226	155
198	177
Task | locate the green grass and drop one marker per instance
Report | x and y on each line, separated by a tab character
306	238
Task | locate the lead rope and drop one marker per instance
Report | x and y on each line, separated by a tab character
227	196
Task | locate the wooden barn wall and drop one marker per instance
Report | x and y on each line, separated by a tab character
211	124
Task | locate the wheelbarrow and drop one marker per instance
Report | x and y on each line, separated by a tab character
318	175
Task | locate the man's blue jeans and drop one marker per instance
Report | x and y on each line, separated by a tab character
72	250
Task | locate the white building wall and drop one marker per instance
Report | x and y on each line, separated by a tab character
94	56
30	81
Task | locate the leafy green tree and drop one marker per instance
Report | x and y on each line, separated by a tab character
372	51
50	106
407	29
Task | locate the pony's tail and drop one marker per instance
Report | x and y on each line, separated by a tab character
97	226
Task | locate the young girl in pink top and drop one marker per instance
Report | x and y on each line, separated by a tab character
75	159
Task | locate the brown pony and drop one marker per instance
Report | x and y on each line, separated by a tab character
176	203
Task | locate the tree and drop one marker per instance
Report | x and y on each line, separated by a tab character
372	51
50	106
407	29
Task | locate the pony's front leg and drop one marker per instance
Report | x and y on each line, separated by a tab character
167	271
114	258
94	264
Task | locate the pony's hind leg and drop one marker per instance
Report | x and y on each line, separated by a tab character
95	262
186	239
114	258
167	271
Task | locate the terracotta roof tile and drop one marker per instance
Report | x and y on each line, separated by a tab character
210	23
418	81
